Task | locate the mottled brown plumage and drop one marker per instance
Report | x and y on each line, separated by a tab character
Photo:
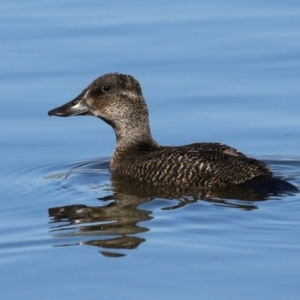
117	99
205	164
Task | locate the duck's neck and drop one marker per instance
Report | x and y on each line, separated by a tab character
131	139
132	134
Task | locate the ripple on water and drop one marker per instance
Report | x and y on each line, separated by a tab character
87	206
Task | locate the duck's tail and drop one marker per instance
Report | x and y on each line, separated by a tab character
266	184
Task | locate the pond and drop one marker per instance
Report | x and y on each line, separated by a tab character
210	71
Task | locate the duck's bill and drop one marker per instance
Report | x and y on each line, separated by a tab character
76	107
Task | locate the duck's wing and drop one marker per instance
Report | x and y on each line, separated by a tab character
198	165
205	164
214	147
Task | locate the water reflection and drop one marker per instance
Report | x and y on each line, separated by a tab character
112	223
116	223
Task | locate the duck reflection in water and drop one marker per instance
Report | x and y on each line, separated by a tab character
113	223
117	222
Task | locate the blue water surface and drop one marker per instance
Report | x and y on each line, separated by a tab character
210	71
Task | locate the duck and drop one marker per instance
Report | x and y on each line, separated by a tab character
117	99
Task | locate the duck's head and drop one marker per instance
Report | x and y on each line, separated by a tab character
108	97
115	98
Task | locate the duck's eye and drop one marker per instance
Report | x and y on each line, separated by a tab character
106	88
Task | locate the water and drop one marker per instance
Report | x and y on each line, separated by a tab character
210	71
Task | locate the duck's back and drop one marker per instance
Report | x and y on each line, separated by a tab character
200	164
